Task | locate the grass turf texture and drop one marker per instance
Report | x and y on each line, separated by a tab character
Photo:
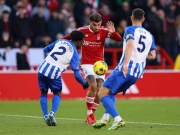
143	117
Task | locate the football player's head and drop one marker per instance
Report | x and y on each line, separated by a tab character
77	38
95	21
138	15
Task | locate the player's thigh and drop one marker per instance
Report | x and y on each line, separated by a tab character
42	82
130	81
91	80
88	70
114	81
55	84
104	91
99	82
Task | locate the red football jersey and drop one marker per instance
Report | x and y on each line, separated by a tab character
93	47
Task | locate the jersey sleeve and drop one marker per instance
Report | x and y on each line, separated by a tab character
66	37
48	48
75	67
75	61
129	33
153	47
79	78
69	37
115	36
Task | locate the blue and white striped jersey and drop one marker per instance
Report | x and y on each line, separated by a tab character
62	53
143	43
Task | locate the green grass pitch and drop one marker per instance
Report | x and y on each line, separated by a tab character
143	117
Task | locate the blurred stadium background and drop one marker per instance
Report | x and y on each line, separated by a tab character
26	26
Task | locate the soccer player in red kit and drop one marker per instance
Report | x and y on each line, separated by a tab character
92	51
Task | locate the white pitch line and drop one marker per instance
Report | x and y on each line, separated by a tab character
38	117
153	123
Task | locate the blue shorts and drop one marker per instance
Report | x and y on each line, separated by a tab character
116	82
45	83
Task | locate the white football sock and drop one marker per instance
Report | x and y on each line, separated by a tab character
105	117
117	119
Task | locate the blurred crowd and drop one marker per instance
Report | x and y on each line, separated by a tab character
37	23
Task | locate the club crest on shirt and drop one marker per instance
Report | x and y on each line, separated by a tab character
98	36
86	35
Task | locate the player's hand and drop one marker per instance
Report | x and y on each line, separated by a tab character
110	27
125	70
85	86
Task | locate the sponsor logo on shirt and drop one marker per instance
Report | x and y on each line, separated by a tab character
91	43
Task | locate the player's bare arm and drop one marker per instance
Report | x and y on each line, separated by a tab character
110	27
151	55
128	53
112	33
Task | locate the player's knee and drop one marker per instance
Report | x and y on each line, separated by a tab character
99	87
93	86
56	92
99	95
103	92
43	92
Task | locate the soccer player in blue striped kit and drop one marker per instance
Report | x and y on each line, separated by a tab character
62	53
138	44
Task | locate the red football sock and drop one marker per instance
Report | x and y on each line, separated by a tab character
95	106
89	104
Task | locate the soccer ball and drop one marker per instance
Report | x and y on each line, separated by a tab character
100	67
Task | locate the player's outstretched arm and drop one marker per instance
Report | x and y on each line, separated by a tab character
80	79
128	53
66	37
110	27
48	48
112	33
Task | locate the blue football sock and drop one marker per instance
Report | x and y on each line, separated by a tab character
109	106
43	103
113	98
55	102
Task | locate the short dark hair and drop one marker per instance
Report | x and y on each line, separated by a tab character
95	17
76	35
138	13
